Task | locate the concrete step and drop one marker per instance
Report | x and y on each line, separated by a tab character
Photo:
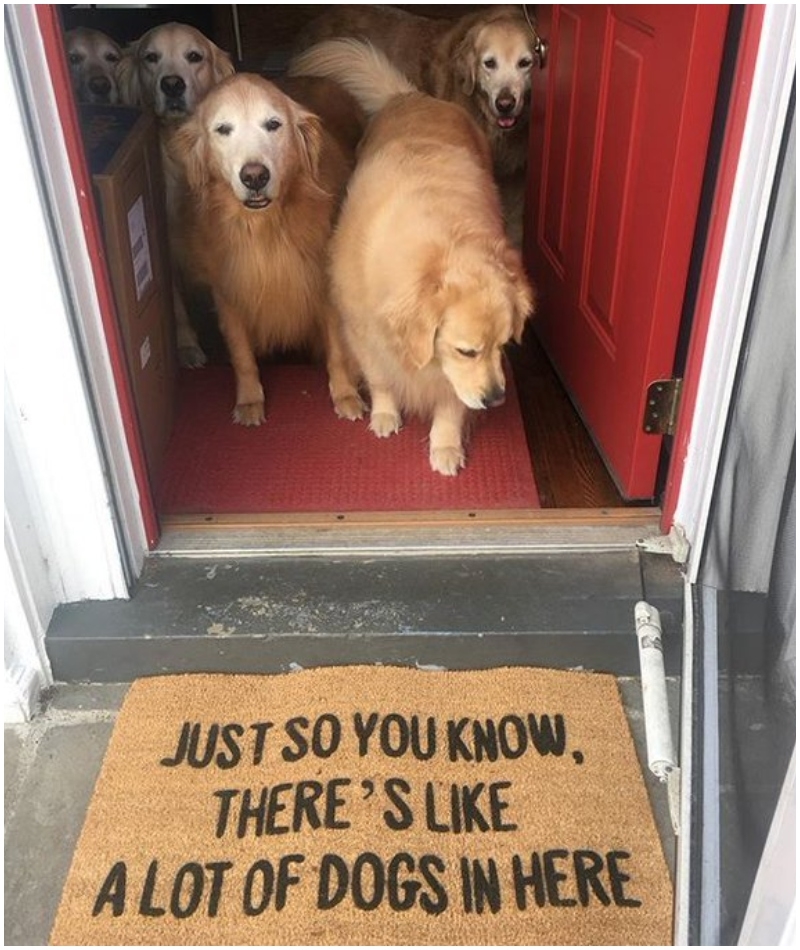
262	615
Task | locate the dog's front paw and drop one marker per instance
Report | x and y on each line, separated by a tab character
447	460
249	413
350	407
191	357
384	424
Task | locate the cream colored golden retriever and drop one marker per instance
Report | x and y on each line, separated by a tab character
167	71
265	180
482	61
429	288
93	58
170	68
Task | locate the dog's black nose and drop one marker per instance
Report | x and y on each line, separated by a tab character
172	86
99	86
505	104
495	397
254	176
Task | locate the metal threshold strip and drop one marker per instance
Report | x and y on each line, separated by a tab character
411	534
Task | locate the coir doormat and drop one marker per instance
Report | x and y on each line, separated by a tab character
305	459
373	806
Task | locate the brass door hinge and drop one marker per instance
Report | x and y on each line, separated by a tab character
661	407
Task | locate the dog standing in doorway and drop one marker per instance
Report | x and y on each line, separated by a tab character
428	285
167	71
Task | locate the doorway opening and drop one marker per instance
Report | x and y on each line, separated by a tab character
570	474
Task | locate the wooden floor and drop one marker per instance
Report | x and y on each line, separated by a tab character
568	469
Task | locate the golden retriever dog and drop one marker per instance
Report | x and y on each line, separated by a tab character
482	61
93	58
429	288
170	68
167	71
265	179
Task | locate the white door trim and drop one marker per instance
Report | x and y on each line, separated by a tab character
74	530
744	231
57	366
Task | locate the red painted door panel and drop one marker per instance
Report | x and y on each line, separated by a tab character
620	128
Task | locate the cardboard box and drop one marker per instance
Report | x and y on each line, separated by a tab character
124	157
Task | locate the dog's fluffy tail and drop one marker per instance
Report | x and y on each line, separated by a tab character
358	66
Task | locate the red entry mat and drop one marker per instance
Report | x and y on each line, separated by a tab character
305	459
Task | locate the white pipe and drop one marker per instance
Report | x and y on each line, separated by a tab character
660	749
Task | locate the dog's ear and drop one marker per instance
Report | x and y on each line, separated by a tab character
465	63
186	144
413	325
521	291
309	136
414	318
221	63
127	76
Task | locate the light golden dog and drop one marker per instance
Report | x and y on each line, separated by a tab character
93	58
482	61
265	180
167	71
429	287
170	68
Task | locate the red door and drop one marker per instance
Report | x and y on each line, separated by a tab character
620	128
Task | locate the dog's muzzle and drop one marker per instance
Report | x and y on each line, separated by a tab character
495	397
505	106
174	91
255	177
99	88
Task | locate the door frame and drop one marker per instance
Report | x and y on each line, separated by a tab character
763	83
103	562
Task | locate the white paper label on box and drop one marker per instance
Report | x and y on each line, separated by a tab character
144	352
140	249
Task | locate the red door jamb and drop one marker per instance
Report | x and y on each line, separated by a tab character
729	161
52	39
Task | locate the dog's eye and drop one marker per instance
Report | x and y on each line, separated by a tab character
111	58
193	56
271	125
467	352
224	128
75	58
490	63
150	57
525	63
